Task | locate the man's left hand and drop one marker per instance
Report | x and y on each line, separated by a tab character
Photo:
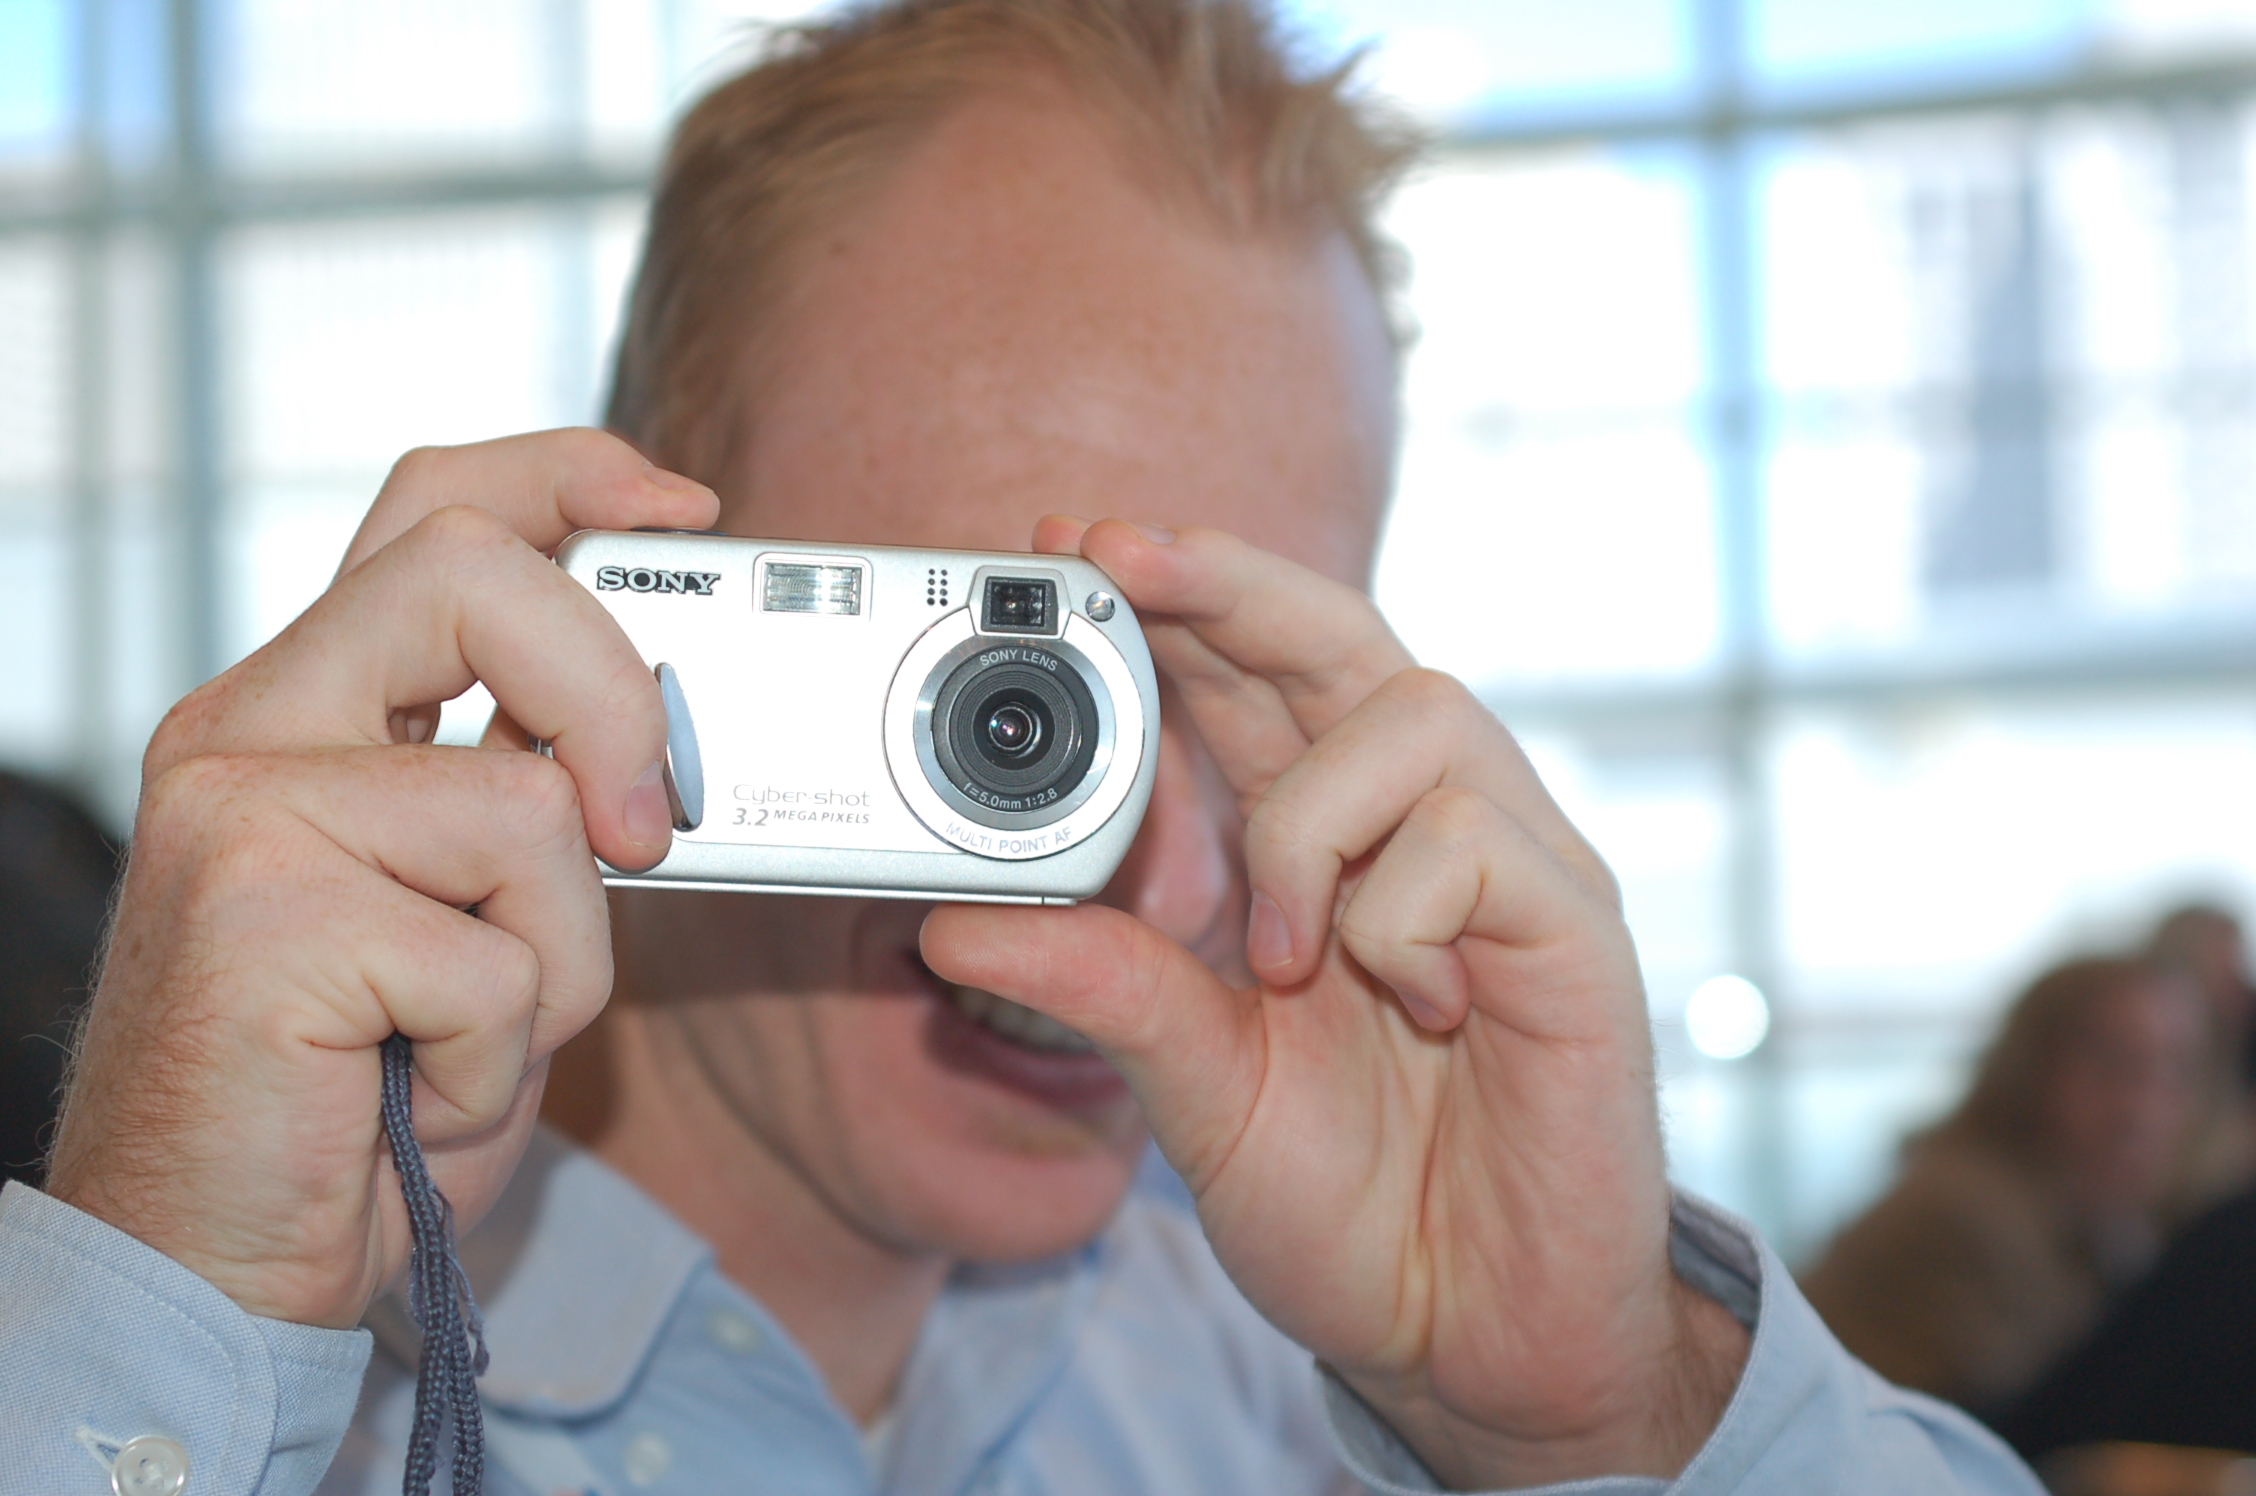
1424	1143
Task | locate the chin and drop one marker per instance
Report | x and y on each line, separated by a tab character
978	1144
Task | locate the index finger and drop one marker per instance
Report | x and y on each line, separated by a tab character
543	485
1270	656
456	599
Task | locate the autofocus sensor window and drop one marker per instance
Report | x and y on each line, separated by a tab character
1019	605
1015	728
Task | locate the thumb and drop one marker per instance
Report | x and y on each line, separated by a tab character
1190	1047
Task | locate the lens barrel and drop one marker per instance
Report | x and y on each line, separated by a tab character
1015	728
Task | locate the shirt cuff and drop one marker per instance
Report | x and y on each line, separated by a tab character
104	1340
1806	1417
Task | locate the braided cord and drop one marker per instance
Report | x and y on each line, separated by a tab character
438	1295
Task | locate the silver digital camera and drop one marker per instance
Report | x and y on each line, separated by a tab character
873	720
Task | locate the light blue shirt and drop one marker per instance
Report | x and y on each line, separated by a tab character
623	1362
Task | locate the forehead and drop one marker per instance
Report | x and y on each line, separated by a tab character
1009	325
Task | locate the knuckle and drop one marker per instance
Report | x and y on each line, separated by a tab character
1275	826
512	975
1453	814
189	795
461	529
586	446
629	692
1598	875
473	1085
599	467
415	469
184	730
466	546
1369	935
1425	691
243	857
210	847
536	797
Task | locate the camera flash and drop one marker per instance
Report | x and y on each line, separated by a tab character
796	588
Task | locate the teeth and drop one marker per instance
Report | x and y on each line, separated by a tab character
1017	1022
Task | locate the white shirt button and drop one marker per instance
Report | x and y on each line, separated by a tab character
149	1466
734	1332
648	1457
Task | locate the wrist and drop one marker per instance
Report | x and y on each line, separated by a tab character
1650	1419
257	1273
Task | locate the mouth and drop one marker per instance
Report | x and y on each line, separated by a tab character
1016	1022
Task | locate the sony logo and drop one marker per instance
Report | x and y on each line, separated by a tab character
644	579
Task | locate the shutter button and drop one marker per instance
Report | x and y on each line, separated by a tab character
149	1466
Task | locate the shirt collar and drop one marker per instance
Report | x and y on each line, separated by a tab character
578	1274
994	1344
576	1271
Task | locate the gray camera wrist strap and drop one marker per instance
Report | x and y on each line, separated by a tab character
438	1296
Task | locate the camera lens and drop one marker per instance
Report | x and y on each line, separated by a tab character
1014	728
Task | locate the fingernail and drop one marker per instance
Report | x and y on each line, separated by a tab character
1156	534
649	821
658	477
1268	937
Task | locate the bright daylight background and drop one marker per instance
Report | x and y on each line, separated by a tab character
1829	442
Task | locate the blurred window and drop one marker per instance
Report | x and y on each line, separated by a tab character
1465	59
1797	44
1828	440
35	103
1535	447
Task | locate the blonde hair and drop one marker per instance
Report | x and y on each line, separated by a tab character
1207	91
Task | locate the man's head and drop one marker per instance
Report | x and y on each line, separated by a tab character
933	273
1202	102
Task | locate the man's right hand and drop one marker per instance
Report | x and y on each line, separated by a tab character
309	875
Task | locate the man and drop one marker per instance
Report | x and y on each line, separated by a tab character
934	275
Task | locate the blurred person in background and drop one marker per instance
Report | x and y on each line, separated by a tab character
2204	943
2016	1219
56	870
2173	1363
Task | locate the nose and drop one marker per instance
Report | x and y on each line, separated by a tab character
1181	875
